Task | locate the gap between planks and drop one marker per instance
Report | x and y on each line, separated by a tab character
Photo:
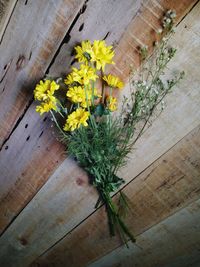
98	231
186	221
30	115
125	186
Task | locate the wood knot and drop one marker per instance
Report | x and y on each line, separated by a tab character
20	62
23	241
79	181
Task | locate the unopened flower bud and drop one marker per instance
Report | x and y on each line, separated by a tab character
168	20
173	14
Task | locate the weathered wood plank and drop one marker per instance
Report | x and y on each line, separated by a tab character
29	43
150	208
172	243
103	19
154	195
142	32
6	9
40	159
167	185
37	153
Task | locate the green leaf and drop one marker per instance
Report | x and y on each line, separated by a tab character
99	111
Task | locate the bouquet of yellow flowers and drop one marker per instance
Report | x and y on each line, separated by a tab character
99	141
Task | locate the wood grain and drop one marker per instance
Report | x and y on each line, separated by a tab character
103	19
26	54
169	184
34	138
174	242
41	154
171	198
6	9
37	153
142	31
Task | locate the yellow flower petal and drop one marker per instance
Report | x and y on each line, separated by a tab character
45	89
84	52
46	107
113	81
76	119
112	103
82	76
102	54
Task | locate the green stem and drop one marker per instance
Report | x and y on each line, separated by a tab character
60	114
103	88
93	93
86	96
57	124
114	218
60	104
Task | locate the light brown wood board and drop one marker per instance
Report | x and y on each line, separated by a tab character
174	242
6	9
79	181
31	38
169	184
32	151
37	153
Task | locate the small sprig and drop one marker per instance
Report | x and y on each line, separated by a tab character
168	20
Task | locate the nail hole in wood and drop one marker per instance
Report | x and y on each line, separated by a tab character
28	138
66	39
83	9
20	62
73	61
106	35
30	55
81	27
6	147
72	53
41	134
26	125
5	67
26	2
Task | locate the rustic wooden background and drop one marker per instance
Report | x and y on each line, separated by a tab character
47	215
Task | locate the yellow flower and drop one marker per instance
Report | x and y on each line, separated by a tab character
87	101
76	119
46	107
84	52
112	103
77	95
70	80
81	76
45	90
102	54
113	81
